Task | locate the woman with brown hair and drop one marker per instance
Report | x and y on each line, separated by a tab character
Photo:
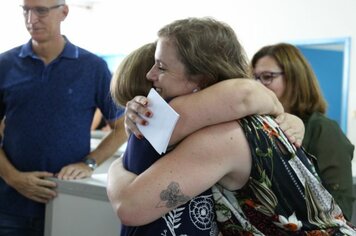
260	183
283	69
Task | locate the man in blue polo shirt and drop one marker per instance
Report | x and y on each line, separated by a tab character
49	90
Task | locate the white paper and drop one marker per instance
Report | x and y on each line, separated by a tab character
161	125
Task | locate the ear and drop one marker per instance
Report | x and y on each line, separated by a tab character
65	11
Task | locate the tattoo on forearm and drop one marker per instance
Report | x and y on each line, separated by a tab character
172	196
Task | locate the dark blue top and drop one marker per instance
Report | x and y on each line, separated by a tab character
196	217
49	111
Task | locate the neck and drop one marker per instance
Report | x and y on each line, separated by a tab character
49	50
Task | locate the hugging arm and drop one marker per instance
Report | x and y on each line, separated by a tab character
225	101
213	154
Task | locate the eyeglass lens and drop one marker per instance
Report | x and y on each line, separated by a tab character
267	77
39	11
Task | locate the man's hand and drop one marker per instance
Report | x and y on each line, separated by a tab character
34	186
75	171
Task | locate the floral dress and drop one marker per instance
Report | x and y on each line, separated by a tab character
283	196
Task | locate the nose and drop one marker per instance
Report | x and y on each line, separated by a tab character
152	74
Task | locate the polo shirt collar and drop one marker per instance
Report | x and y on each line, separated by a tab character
69	51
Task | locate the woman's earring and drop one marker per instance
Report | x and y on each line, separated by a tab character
195	90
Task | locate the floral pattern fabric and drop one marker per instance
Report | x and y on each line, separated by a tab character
283	196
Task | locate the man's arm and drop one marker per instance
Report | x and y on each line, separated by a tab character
32	185
104	151
111	142
216	153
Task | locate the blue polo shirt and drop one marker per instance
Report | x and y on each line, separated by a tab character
49	111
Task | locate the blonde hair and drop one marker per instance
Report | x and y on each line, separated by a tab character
129	80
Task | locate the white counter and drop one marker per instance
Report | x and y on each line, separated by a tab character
81	207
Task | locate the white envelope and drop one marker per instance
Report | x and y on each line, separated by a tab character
161	125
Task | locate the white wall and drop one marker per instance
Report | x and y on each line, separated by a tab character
114	26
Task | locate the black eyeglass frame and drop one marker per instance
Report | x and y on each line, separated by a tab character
40	11
270	76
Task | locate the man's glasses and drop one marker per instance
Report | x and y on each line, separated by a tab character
39	11
267	77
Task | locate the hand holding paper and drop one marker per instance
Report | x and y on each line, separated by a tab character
161	125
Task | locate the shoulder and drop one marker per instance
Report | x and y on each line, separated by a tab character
319	128
229	128
84	56
7	61
10	54
221	139
94	64
90	55
222	147
318	121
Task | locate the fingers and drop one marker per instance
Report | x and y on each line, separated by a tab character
42	181
44	195
280	118
46	191
34	186
140	99
298	143
74	171
135	112
131	126
294	136
293	128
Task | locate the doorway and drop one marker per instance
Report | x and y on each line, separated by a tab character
330	60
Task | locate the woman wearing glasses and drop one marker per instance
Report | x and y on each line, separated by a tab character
283	69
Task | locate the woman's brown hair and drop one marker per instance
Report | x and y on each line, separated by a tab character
209	48
302	95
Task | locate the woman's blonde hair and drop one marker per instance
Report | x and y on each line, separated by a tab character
130	80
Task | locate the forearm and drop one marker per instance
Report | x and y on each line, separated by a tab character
225	101
139	200
32	185
7	170
118	179
128	199
110	144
